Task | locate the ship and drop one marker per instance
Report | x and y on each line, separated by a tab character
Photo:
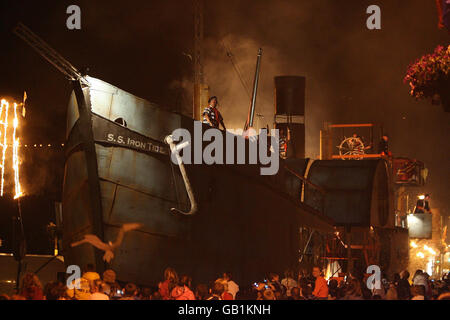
204	219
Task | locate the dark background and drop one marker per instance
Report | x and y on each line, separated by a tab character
354	75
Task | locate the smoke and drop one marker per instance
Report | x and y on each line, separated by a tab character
290	47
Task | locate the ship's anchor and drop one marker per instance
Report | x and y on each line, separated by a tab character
175	149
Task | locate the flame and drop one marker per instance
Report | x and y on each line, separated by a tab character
18	191
4	110
4	145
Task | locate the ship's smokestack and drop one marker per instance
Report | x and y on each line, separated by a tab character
290	113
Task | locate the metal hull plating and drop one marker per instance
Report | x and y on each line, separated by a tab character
246	223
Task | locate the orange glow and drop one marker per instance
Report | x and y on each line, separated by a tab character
4	145
18	190
4	110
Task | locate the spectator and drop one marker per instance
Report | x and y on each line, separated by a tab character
130	292
391	293
274	281
233	287
216	291
81	290
170	281
419	279
91	275
307	292
31	287
111	287
225	294
201	292
145	294
55	291
156	296
418	292
182	290
320	287
295	294
268	295
353	291
404	288
288	282
98	290
332	289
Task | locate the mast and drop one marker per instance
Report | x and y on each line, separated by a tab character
251	112
201	90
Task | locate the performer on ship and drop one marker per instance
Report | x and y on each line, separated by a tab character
423	205
383	146
211	115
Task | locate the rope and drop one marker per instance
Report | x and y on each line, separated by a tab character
175	182
236	68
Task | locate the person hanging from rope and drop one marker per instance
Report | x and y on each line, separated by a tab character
211	115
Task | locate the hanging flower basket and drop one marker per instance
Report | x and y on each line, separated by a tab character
429	77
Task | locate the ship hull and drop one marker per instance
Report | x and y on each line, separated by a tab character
121	173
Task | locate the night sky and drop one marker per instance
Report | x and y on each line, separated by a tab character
354	75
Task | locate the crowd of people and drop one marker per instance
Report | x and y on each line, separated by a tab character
303	286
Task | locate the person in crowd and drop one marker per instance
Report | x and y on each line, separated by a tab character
130	292
225	295
156	296
396	279
98	291
428	288
233	287
391	293
383	146
404	287
55	291
419	279
307	292
320	287
31	287
81	290
216	291
182	291
111	287
353	291
288	282
268	294
444	296
90	274
201	292
145	293
170	281
296	294
332	289
274	282
418	292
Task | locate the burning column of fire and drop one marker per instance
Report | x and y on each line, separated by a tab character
18	191
4	104
4	109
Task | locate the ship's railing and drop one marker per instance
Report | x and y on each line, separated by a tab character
401	220
316	194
